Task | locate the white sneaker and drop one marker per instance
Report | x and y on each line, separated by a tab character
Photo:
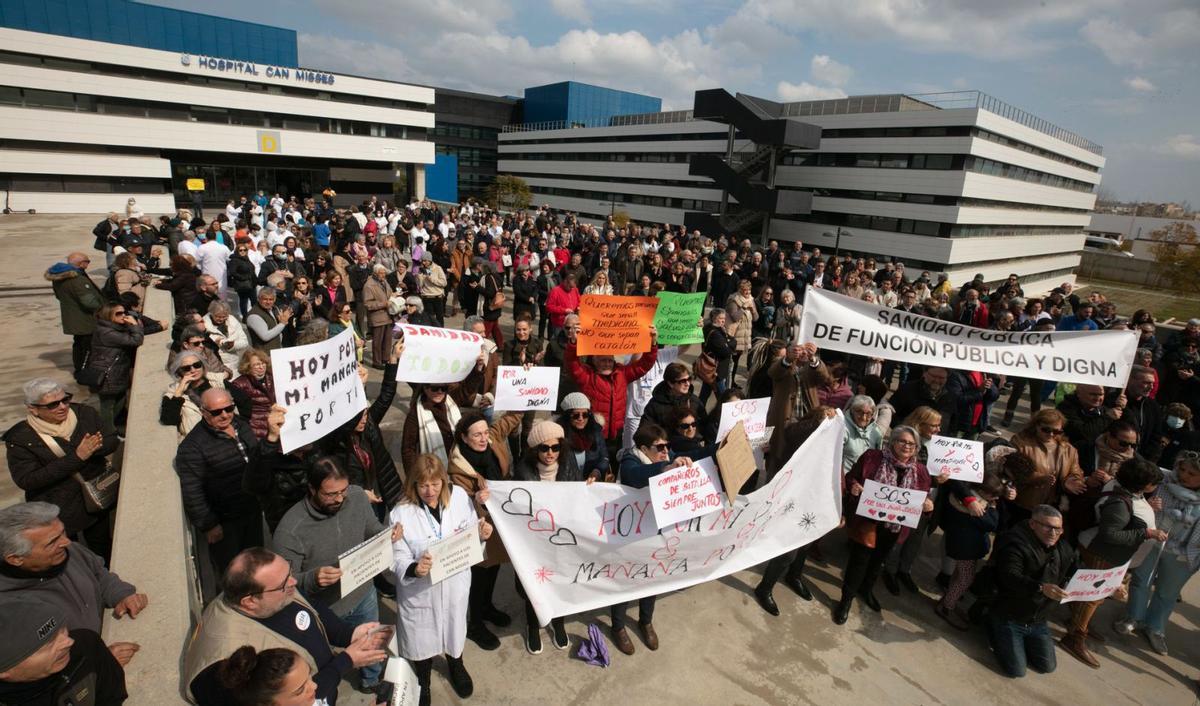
1124	626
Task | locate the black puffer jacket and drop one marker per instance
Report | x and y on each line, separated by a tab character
113	349
279	480
211	466
663	403
382	478
1022	564
47	478
240	274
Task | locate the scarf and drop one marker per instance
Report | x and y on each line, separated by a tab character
1180	517
581	439
1108	460
483	462
49	431
889	474
976	379
547	473
433	439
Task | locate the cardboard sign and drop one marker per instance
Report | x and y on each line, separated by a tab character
195	184
680	494
455	554
962	458
610	325
437	354
735	458
366	561
526	390
677	318
753	413
1094	584
319	386
888	503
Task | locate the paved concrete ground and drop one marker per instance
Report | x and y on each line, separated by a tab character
717	644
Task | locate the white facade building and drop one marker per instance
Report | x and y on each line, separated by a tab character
85	125
984	188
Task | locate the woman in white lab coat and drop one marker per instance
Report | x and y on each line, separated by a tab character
432	618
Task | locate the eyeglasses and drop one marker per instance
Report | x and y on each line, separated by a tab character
194	366
684	426
1048	528
434	389
676	381
1050	430
905	444
281	587
64	400
548	448
580	415
221	410
335	494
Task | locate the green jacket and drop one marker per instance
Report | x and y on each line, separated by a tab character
79	298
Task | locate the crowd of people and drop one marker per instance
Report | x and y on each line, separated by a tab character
1096	478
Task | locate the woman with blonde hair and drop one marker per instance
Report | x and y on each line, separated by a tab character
1056	461
253	390
599	284
432	617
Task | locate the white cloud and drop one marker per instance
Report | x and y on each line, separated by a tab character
572	10
1185	146
805	91
827	70
1146	37
1138	83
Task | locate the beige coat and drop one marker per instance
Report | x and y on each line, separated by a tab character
465	477
740	315
375	294
1055	464
793	386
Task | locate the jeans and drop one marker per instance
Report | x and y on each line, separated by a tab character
367	611
1018	644
1154	609
645	612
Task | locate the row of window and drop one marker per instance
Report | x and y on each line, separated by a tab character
663	137
656	157
934	161
953	131
470	156
51	183
630	199
896	197
1012	171
105	105
465	132
94	67
920	227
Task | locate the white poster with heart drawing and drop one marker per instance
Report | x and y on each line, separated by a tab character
580	547
961	458
1094	584
889	503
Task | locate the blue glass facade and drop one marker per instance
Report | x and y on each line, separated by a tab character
153	27
580	102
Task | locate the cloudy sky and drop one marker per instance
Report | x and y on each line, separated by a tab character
1120	73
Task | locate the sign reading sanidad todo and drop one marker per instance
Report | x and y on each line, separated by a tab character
841	323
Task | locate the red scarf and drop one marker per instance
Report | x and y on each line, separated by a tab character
977	408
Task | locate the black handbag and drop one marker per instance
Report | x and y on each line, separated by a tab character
92	376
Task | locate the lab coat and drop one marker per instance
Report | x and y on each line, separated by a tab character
431	619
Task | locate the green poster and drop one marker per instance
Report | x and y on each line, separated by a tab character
678	318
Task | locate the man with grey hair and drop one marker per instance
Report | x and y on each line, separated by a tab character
1030	565
57	443
376	293
266	323
431	285
208	290
38	560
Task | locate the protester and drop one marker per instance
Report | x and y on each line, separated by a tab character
253	390
861	432
433	617
266	323
180	406
584	437
605	382
276	676
110	366
78	299
1056	461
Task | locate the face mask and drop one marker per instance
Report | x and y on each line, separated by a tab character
281	256
1174	422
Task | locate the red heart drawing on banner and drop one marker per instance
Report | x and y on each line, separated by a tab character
537	525
891	516
870	512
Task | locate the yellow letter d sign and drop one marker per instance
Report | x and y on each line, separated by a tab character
269	142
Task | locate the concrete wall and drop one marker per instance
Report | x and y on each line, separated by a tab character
152	547
1120	268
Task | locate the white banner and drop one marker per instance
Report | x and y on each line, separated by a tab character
1094	584
526	390
437	354
579	547
319	386
961	458
841	323
890	503
752	412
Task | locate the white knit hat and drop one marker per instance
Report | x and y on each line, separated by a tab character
575	400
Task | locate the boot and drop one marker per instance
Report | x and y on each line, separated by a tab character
841	611
1075	643
460	680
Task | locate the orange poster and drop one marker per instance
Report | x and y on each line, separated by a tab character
611	325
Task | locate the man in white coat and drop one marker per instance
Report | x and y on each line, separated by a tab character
432	617
213	259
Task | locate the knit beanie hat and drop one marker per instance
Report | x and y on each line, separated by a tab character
575	400
543	432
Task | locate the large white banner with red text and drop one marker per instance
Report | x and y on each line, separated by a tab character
578	547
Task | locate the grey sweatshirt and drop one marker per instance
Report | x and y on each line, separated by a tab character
82	590
309	539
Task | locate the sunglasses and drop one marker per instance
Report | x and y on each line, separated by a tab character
684	426
676	381
436	388
1050	430
196	342
64	400
661	447
221	410
580	415
548	448
194	366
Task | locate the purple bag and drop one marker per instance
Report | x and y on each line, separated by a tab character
593	649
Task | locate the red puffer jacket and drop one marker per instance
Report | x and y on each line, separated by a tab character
607	392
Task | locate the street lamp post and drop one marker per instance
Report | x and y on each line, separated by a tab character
837	243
